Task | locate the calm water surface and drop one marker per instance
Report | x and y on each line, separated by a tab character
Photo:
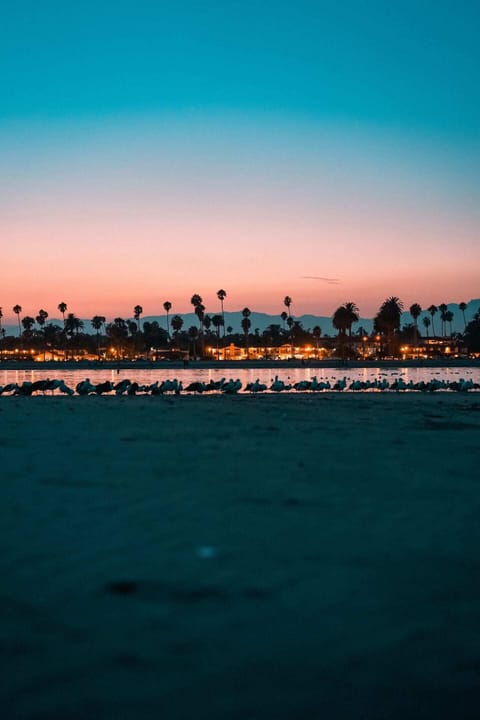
265	375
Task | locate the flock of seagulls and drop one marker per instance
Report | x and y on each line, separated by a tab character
232	387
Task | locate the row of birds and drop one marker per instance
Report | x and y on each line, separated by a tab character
232	387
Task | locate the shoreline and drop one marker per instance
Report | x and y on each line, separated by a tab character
240	364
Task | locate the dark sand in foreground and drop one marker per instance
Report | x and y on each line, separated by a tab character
240	557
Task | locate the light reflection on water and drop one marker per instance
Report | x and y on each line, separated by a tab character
265	375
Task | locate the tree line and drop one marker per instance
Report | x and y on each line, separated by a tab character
130	337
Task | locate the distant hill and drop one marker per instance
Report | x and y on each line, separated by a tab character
263	320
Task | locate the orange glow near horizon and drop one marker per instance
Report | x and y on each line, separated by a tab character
123	217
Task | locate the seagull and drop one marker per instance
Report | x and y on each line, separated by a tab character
255	387
277	385
196	387
104	387
232	387
85	387
122	386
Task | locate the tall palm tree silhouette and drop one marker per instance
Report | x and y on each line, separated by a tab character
137	311
97	321
198	308
415	311
284	316
341	320
287	301
167	306
443	309
40	319
246	325
17	309
433	311
449	319
426	322
62	307
388	318
352	314
221	295
462	307
73	324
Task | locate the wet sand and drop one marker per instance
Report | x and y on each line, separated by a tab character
244	557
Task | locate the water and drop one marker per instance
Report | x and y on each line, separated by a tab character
246	375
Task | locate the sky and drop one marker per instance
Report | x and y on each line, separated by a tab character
152	150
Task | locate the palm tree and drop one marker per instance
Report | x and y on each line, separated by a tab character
28	322
221	295
415	311
317	333
449	319
73	324
462	307
433	311
137	311
207	322
284	316
97	321
246	325
341	320
287	301
443	310
177	324
17	309
167	306
72	327
41	318
388	319
62	307
199	309
426	322
196	300
353	315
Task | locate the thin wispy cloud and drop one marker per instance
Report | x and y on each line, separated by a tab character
329	281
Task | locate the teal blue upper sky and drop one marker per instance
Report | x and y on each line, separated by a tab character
162	148
411	64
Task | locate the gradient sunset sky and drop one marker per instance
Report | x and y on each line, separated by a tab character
151	150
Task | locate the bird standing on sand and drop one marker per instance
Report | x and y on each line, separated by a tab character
85	387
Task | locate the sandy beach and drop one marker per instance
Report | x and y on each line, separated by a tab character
269	557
